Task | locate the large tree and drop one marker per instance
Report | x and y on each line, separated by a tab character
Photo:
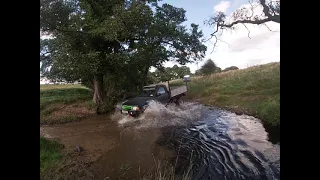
101	41
247	15
209	67
170	73
181	71
166	39
230	68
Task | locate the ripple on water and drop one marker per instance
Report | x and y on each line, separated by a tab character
219	144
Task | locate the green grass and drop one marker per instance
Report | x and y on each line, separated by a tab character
50	154
253	91
64	103
61	86
65	96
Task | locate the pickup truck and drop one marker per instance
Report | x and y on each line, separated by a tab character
161	92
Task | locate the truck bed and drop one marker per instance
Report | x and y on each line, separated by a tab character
178	90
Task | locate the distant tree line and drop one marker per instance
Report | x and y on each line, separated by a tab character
169	73
209	67
176	72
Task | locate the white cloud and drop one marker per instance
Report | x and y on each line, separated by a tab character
222	6
263	47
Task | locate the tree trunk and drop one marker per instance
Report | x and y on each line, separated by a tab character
144	78
90	83
98	91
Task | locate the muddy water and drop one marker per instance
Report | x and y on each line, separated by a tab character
217	144
95	135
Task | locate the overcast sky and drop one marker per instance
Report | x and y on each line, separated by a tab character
241	51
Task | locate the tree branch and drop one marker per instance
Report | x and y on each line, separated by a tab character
248	31
219	19
252	9
213	35
268	27
257	22
217	39
266	11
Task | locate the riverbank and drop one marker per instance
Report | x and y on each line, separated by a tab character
253	91
64	103
50	155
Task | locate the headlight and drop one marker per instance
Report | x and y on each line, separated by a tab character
135	108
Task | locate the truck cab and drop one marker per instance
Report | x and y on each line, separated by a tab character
157	92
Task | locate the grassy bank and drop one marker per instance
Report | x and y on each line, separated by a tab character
64	103
253	91
50	155
59	163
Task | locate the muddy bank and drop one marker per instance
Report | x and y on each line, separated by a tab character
96	134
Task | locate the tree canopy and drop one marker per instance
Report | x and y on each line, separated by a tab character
114	43
230	68
170	73
209	67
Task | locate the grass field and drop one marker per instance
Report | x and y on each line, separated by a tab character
50	154
253	91
61	86
64	103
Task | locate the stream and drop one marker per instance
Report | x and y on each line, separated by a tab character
212	143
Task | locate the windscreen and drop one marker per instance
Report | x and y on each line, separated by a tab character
148	92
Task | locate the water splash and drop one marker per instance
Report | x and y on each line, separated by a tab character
159	115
